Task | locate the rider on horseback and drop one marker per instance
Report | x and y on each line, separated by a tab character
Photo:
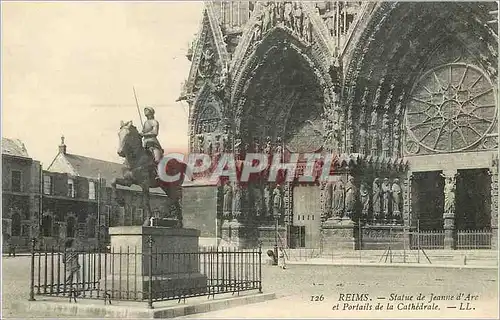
149	134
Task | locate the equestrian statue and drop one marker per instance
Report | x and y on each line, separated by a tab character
142	152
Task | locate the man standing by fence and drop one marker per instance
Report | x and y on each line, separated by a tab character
72	265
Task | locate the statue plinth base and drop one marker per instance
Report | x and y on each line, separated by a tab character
129	262
381	237
339	234
165	222
449	230
239	235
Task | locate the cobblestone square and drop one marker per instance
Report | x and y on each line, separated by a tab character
306	291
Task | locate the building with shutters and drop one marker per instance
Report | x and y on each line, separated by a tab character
74	197
20	193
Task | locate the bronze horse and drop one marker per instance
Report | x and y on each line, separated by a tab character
141	170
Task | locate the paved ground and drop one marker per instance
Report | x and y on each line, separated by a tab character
298	284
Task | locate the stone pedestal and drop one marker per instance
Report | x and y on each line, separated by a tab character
226	231
339	234
267	236
174	264
243	235
381	237
449	230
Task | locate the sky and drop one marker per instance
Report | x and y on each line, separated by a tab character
69	69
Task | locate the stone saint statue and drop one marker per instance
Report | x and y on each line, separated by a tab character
362	140
377	193
228	200
266	21
364	195
258	200
386	195
338	198
288	14
149	134
350	196
277	201
327	200
297	18
396	198
306	29
449	195
267	200
268	148
279	146
257	32
201	143
210	148
236	205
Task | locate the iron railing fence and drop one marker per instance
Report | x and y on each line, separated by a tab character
427	239
474	239
129	274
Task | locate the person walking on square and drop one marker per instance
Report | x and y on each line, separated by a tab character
281	259
72	265
10	246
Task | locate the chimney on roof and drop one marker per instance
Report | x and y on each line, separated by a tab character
62	146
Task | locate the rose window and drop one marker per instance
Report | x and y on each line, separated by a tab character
451	108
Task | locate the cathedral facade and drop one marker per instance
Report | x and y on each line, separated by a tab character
404	94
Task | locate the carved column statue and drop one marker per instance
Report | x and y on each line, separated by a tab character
351	193
326	200
277	201
297	15
306	29
257	201
374	133
227	201
396	130
376	200
396	139
217	144
279	148
268	148
238	148
397	197
210	148
267	201
362	123
449	208
386	136
236	205
362	139
224	142
364	195
386	196
201	143
338	200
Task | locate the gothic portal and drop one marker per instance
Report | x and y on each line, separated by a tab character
402	93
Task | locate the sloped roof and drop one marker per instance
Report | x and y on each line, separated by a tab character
92	168
14	147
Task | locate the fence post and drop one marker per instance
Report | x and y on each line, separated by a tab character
260	268
32	271
150	273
